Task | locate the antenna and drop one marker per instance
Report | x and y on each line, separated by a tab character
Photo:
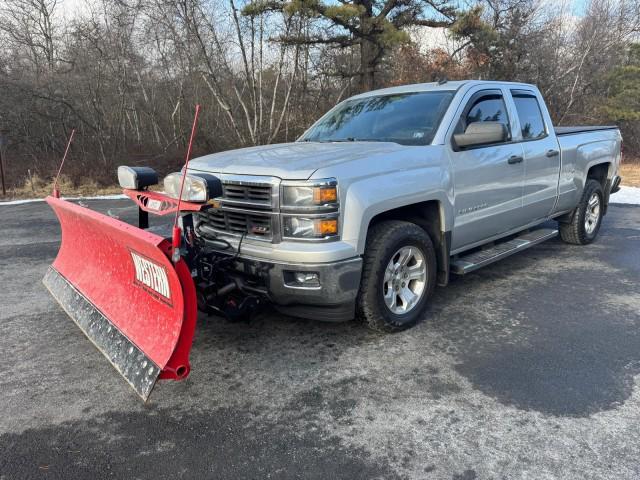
177	232
56	192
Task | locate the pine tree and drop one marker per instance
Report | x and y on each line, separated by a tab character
372	26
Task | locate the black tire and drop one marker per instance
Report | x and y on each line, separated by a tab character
576	231
384	240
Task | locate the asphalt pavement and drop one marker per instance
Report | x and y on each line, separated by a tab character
526	369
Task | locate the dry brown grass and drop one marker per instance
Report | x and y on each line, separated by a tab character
630	173
40	188
37	187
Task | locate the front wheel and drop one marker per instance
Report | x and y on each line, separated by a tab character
587	217
398	276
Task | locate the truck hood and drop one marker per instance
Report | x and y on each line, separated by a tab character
289	161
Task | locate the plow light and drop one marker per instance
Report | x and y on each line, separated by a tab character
136	178
197	188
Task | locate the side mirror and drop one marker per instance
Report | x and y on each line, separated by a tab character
136	178
481	133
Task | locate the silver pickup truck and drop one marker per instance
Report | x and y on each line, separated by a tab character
382	199
388	194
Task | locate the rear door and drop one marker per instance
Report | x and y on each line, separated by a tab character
488	179
541	154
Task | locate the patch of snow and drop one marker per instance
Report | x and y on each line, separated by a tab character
34	200
628	195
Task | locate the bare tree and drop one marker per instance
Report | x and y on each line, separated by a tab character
127	73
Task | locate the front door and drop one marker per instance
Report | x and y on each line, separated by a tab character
488	179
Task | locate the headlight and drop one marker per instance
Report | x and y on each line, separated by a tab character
197	188
314	195
310	227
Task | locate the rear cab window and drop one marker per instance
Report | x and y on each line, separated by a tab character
529	115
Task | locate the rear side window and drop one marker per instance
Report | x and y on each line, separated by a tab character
531	122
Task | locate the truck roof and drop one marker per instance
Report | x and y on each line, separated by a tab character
435	86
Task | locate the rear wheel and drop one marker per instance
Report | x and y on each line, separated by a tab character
398	276
587	218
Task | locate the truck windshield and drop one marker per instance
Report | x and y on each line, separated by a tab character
407	119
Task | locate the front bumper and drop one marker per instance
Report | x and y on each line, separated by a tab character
333	300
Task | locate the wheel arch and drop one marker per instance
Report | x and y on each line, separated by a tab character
599	172
431	217
602	173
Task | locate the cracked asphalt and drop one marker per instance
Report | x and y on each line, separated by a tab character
526	369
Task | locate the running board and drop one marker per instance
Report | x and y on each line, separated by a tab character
473	261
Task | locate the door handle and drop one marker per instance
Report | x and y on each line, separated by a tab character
552	153
514	159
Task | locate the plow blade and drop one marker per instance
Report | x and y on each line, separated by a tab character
119	286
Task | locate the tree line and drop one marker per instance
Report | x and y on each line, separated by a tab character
126	74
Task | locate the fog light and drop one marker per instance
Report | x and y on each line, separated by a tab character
302	279
306	278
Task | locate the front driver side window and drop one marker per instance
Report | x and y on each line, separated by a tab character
486	108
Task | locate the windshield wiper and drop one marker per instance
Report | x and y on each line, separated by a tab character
353	139
341	140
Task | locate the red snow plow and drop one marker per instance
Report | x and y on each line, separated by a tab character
135	293
118	283
128	289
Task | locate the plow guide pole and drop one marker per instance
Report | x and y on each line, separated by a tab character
177	232
56	191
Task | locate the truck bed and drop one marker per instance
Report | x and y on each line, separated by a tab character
581	129
580	148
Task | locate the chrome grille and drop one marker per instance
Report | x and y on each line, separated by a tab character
248	206
238	223
249	195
